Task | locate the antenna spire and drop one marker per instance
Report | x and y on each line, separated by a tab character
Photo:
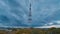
30	15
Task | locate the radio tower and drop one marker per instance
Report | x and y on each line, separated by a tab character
30	19
30	16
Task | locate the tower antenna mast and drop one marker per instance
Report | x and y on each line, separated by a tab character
30	14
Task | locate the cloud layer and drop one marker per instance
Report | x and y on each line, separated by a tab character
15	12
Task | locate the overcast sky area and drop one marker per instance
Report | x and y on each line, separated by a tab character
45	13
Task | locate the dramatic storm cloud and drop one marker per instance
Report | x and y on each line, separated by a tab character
15	13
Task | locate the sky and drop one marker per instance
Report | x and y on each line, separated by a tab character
14	13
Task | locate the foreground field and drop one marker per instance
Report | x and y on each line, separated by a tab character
30	31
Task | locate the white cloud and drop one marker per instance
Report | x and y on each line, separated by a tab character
51	23
2	25
56	26
57	22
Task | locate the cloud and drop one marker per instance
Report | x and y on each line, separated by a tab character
51	24
17	12
56	26
57	21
